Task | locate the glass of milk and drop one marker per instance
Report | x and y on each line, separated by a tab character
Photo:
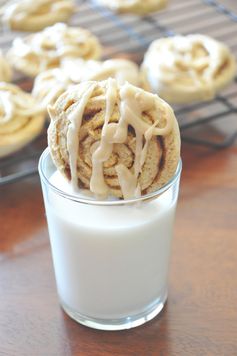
110	257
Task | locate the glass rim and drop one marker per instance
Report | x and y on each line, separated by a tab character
88	201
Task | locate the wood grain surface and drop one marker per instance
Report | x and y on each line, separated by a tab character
200	317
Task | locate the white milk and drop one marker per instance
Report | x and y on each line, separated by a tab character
110	261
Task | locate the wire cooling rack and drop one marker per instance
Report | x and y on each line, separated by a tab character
206	124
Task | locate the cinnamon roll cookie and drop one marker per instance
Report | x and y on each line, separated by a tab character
21	119
5	69
49	85
121	69
46	49
27	15
139	7
183	69
113	139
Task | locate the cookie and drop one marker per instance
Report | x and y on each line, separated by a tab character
21	119
114	139
121	69
183	69
138	7
5	69
49	85
44	50
27	15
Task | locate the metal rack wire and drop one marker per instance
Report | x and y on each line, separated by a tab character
200	123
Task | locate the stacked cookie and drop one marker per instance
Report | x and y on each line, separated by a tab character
114	139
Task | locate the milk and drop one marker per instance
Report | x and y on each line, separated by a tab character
111	262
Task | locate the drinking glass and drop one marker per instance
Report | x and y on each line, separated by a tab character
111	257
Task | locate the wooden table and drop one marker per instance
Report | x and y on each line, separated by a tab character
200	317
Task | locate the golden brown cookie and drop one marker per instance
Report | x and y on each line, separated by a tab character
44	50
5	69
122	70
21	119
114	139
28	15
138	7
183	69
49	85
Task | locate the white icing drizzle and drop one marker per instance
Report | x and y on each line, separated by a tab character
103	152
182	61
75	119
127	181
148	136
133	101
46	49
122	70
136	6
14	103
49	85
132	105
6	106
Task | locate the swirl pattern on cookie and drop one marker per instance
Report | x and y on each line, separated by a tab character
189	68
27	15
139	7
5	69
46	49
49	85
21	118
114	139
